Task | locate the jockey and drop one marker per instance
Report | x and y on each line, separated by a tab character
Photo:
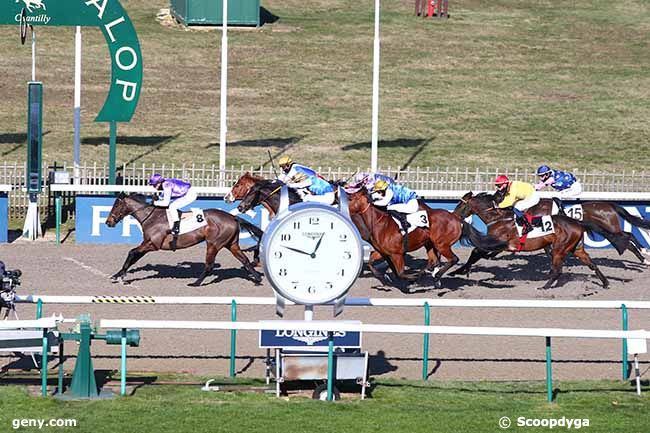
307	183
368	180
398	200
290	168
562	181
520	195
180	191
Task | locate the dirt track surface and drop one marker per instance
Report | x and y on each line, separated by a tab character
72	269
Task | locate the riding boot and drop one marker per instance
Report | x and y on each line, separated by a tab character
526	226
175	230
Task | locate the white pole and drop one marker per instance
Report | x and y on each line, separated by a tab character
77	103
224	93
33	53
375	93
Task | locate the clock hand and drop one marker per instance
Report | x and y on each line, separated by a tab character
296	250
318	245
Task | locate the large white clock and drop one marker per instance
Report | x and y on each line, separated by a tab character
312	254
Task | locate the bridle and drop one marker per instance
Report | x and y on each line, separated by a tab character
153	208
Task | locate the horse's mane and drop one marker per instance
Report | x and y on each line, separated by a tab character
140	198
268	185
252	176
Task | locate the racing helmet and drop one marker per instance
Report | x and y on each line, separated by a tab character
501	181
380	185
544	170
285	161
156	179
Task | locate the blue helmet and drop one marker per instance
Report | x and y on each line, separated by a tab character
543	169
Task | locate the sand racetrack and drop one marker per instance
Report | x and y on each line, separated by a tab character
71	269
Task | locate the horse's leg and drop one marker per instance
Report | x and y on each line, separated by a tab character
557	258
452	259
210	254
473	258
582	255
134	255
374	258
634	246
236	251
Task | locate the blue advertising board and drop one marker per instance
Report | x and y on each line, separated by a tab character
92	211
4	216
280	338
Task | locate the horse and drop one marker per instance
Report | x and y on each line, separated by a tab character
445	229
243	186
568	236
222	229
607	216
267	193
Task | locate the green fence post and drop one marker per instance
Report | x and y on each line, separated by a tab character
425	345
39	308
57	206
330	364
61	372
233	337
549	372
123	364
44	365
624	351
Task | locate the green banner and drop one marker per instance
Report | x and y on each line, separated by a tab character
122	40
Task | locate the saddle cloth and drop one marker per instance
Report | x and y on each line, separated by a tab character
572	211
543	225
190	221
415	219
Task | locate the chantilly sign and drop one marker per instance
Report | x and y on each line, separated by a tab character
123	44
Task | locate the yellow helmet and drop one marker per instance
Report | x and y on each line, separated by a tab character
380	185
285	160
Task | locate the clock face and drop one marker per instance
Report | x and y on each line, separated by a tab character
313	255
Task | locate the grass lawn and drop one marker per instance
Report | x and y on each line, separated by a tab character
395	406
500	83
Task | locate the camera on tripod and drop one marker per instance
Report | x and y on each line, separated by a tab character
10	279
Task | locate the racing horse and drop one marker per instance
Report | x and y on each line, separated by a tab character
445	229
568	236
222	230
243	185
607	216
267	193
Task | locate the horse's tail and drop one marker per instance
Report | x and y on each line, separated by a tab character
620	241
481	241
254	231
632	219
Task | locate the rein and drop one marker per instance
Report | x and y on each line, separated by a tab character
271	193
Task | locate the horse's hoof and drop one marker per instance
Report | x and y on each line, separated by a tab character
543	288
257	278
196	283
437	284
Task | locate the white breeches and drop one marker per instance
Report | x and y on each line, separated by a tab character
327	198
172	210
573	191
408	207
527	203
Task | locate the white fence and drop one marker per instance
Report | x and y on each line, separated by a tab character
207	175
